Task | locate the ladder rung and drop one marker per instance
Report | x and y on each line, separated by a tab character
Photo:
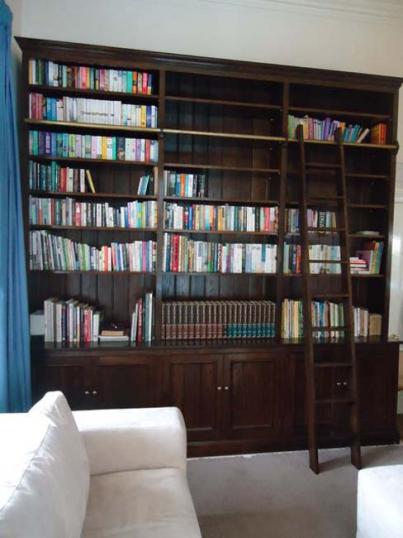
321	230
333	365
328	261
329	296
322	165
328	329
324	401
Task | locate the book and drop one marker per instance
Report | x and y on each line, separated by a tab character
110	338
142	319
90	181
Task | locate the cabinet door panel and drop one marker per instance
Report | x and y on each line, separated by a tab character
191	383
134	384
72	380
252	396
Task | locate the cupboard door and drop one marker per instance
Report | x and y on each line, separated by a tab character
252	395
73	380
193	383
378	379
127	382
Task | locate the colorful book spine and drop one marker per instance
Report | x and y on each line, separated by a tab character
92	111
54	253
221	218
49	73
86	146
55	178
70	212
316	218
188	320
185	185
325	315
182	254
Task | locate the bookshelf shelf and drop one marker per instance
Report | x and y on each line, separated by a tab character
221	201
110	162
98	94
92	195
223	126
223	168
90	228
343	113
223	102
216	232
92	126
239	136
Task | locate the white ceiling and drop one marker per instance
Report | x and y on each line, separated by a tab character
390	9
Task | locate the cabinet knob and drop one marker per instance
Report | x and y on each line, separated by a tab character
345	384
338	384
219	388
94	392
226	387
87	392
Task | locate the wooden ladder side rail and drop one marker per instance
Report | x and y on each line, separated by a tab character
348	311
310	389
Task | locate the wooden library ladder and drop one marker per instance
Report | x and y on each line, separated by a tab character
312	364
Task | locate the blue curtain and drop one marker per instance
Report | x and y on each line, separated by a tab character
15	378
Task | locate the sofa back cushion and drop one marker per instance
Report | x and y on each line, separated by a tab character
46	485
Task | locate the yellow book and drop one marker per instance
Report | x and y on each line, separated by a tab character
104	147
90	181
143	119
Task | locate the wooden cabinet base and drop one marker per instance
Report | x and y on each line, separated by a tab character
235	399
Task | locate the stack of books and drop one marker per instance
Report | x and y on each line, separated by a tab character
54	253
70	212
185	320
358	265
221	218
371	254
182	254
49	73
86	146
70	321
142	322
185	185
95	111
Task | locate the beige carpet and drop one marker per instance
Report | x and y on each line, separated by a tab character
277	496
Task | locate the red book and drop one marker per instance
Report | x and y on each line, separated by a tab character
145	84
140	321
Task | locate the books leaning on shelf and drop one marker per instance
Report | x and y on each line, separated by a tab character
315	219
324	314
49	252
86	146
142	322
368	260
147	184
221	218
70	321
185	185
55	178
70	212
366	324
330	253
182	254
92	111
48	73
316	129
186	320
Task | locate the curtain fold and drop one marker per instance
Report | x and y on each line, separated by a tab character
15	378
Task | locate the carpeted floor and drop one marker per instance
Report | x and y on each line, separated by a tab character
277	496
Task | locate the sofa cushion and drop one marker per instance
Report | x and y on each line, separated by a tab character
379	502
152	503
45	481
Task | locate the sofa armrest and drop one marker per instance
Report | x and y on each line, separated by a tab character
130	439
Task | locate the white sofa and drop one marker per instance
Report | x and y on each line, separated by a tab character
119	473
380	502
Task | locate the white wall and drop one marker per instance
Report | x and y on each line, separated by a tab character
352	35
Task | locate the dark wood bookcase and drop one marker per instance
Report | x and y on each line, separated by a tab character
229	121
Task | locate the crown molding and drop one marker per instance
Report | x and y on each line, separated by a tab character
391	10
